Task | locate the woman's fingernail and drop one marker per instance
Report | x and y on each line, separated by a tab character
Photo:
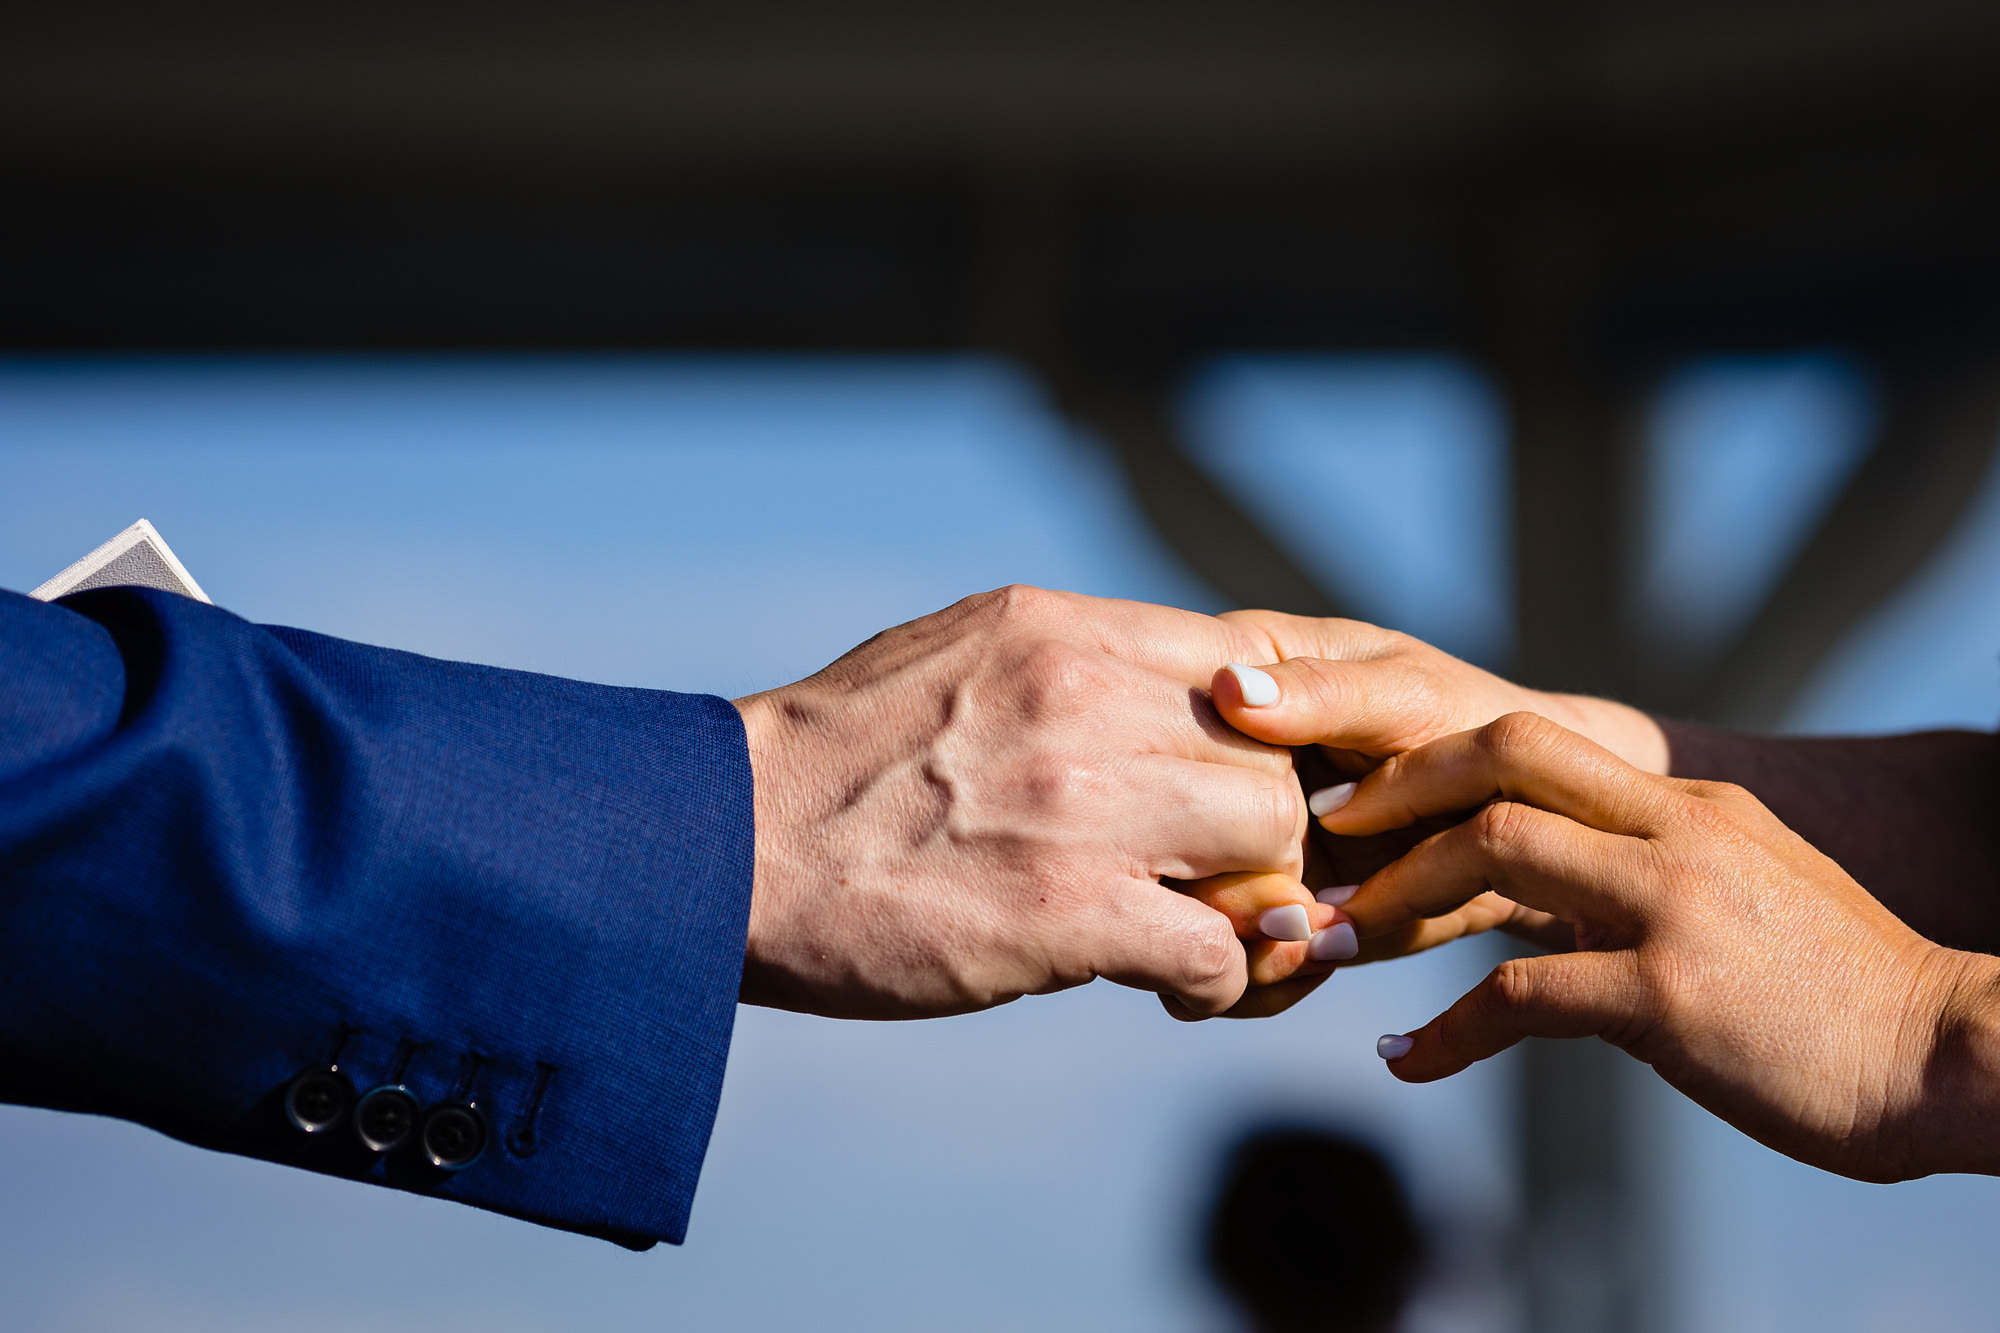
1393	1047
1329	799
1333	944
1289	922
1338	895
1257	687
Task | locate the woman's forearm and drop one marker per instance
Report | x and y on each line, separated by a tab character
1915	819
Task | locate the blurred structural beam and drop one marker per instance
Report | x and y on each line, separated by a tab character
1549	256
1580	1208
1217	537
1024	307
1937	441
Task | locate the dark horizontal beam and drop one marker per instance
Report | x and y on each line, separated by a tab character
1176	81
1161	268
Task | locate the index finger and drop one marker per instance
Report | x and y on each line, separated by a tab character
1521	757
1292	636
1186	646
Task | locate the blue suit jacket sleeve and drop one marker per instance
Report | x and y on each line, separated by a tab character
231	852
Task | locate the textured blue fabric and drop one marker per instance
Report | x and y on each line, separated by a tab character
229	852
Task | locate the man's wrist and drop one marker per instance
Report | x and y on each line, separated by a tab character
761	724
786	770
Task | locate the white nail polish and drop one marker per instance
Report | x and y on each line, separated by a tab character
1329	799
1393	1047
1338	895
1259	690
1334	943
1289	922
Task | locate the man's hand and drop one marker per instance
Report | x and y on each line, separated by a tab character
1716	945
982	804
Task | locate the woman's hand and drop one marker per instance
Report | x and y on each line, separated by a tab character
1346	695
1362	693
1291	938
1714	944
1349	695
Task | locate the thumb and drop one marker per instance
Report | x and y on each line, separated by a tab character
1558	995
1154	938
1379	706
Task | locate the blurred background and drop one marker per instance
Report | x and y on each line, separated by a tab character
1645	349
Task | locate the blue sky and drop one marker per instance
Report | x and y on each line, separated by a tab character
730	524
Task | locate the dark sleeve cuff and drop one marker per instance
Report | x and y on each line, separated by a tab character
1703	753
231	853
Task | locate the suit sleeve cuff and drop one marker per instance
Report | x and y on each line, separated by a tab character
248	852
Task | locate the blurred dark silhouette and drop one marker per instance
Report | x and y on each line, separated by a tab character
1311	1233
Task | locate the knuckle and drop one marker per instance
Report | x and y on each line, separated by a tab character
1023	604
1056	678
1394	643
1721	794
1388	775
1510	987
1264	629
1513	735
1713	821
1211	953
1282	807
1500	830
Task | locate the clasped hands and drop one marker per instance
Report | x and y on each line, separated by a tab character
1030	790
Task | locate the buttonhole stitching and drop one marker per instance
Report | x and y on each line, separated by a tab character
341	1033
468	1071
526	1137
406	1051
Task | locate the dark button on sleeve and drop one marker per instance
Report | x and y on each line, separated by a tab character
317	1099
454	1135
385	1118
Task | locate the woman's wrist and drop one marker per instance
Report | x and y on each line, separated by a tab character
1954	1067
